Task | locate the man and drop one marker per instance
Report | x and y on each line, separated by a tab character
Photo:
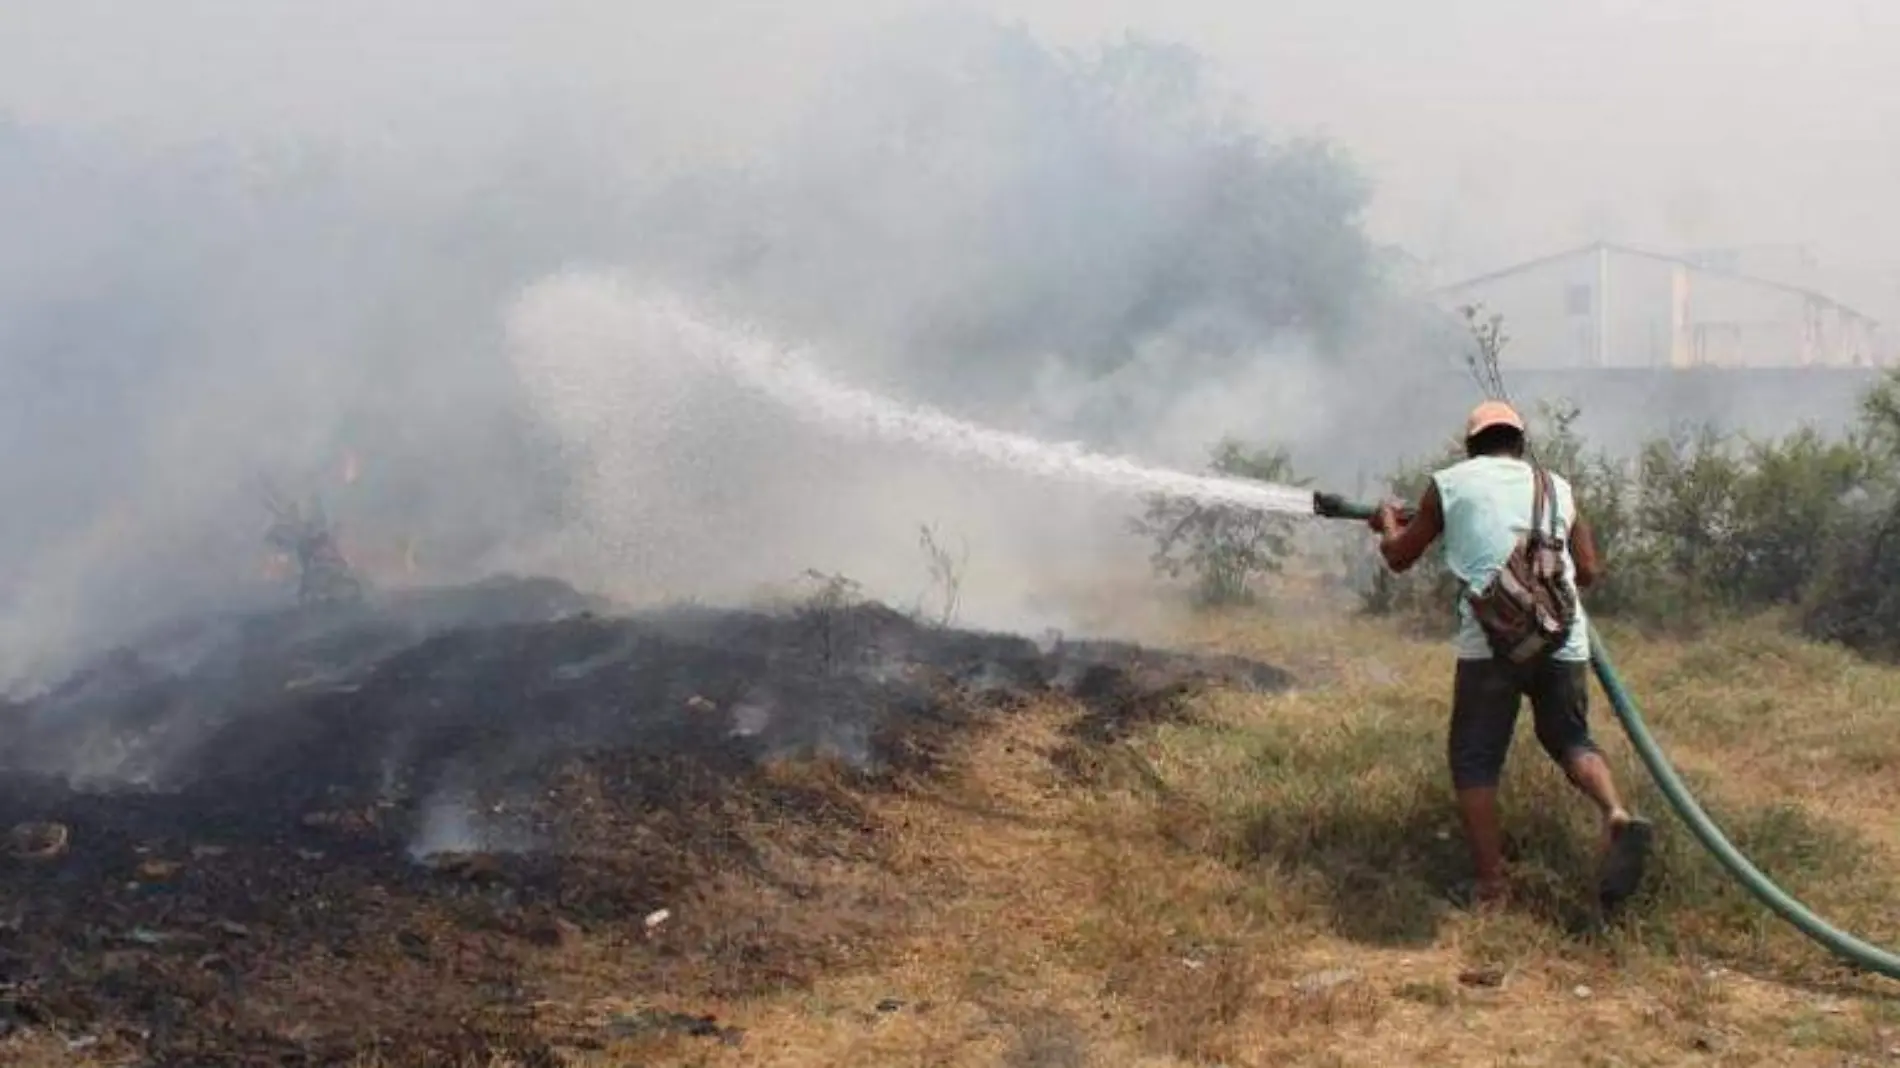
1479	507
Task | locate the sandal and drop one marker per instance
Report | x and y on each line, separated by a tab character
1624	863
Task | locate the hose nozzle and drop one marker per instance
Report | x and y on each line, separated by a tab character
1334	506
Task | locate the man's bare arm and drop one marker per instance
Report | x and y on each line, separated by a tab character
1402	544
1583	551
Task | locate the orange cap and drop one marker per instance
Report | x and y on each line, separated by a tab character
1490	414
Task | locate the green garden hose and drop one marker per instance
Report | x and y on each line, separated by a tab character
1844	945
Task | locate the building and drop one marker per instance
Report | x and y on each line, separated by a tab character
1613	306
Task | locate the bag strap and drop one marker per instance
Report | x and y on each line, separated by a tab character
1543	494
1537	499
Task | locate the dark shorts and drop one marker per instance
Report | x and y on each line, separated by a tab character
1486	696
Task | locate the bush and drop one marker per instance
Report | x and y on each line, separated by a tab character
1855	598
1224	547
1679	546
1790	511
1724	526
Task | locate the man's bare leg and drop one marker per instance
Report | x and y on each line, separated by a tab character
1626	839
1590	773
1484	836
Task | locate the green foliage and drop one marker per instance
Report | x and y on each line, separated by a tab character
1699	524
1724	525
1790	510
1880	419
1855	598
1226	548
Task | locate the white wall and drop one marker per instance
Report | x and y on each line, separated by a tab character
1551	313
1663	314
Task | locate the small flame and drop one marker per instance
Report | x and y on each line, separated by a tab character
352	467
275	567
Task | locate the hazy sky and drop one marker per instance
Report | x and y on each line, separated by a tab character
1496	129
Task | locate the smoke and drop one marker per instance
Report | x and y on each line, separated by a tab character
313	288
455	822
208	334
304	244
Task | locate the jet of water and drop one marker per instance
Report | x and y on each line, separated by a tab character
790	377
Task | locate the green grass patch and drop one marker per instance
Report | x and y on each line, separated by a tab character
1355	816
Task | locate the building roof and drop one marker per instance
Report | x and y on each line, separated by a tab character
1628	250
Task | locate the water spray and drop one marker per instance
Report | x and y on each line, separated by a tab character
643	325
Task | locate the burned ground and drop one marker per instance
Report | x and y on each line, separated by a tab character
297	837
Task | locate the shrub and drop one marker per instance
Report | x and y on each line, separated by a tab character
1424	596
1742	525
1855	596
1681	539
1790	511
1224	547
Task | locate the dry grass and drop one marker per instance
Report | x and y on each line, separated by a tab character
1264	885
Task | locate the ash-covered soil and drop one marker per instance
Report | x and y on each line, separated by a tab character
299	837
